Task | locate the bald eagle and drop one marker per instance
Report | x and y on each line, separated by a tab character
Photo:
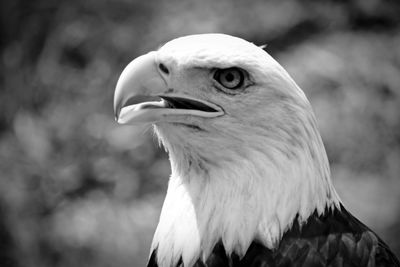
250	182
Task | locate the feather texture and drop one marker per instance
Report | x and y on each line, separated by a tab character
333	239
250	182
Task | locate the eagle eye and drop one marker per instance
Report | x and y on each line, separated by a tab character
231	78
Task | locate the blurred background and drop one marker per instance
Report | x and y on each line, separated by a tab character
76	189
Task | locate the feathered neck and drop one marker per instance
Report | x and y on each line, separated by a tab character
238	198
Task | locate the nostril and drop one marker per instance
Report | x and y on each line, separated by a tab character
163	68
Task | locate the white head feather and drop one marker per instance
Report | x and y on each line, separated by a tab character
243	176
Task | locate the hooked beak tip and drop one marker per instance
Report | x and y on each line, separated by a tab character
140	77
117	108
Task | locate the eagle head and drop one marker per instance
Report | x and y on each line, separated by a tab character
246	156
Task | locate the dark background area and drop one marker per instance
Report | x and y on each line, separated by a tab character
76	189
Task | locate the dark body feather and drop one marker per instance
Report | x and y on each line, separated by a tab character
334	239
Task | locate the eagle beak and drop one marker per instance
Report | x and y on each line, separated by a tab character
135	80
142	96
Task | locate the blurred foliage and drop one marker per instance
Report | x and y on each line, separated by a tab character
78	190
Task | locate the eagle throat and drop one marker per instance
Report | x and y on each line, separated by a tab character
239	192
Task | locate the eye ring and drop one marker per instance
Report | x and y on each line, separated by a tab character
230	78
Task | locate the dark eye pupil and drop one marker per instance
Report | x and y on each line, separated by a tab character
229	77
